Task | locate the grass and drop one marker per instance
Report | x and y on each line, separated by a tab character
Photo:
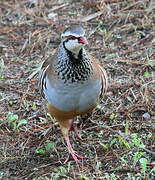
118	137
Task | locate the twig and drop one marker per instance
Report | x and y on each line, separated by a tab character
132	62
91	16
149	151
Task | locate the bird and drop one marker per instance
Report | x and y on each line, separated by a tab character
72	82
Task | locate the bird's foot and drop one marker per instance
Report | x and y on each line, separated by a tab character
76	157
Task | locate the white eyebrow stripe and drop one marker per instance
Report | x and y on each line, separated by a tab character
71	34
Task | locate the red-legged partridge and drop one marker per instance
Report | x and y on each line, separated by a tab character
72	82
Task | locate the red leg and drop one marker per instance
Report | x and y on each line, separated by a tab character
74	128
72	152
66	126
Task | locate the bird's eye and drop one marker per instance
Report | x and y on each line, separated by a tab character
72	37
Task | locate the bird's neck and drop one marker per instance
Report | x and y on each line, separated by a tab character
76	58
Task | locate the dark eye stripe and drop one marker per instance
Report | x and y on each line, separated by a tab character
72	37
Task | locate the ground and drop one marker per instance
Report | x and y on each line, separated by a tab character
118	136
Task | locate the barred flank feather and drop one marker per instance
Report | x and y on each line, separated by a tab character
42	82
104	81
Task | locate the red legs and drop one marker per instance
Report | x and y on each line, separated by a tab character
74	128
71	151
71	127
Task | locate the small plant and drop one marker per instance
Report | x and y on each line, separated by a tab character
108	146
143	165
34	107
59	173
1	75
124	142
41	152
105	146
113	116
136	157
21	123
130	176
84	177
48	147
147	74
112	177
113	141
137	142
151	62
13	120
127	132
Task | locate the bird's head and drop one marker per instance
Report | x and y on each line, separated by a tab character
74	39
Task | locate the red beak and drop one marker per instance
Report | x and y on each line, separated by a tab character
83	40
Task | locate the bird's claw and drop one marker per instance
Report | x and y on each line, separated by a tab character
76	157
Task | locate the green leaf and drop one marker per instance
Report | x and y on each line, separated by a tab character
106	147
113	141
49	146
118	36
99	107
22	122
137	156
147	74
34	107
1	120
12	117
127	132
41	152
113	177
153	170
151	62
83	177
10	103
136	141
63	170
143	163
124	142
149	135
113	116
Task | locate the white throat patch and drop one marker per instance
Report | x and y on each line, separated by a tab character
73	46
